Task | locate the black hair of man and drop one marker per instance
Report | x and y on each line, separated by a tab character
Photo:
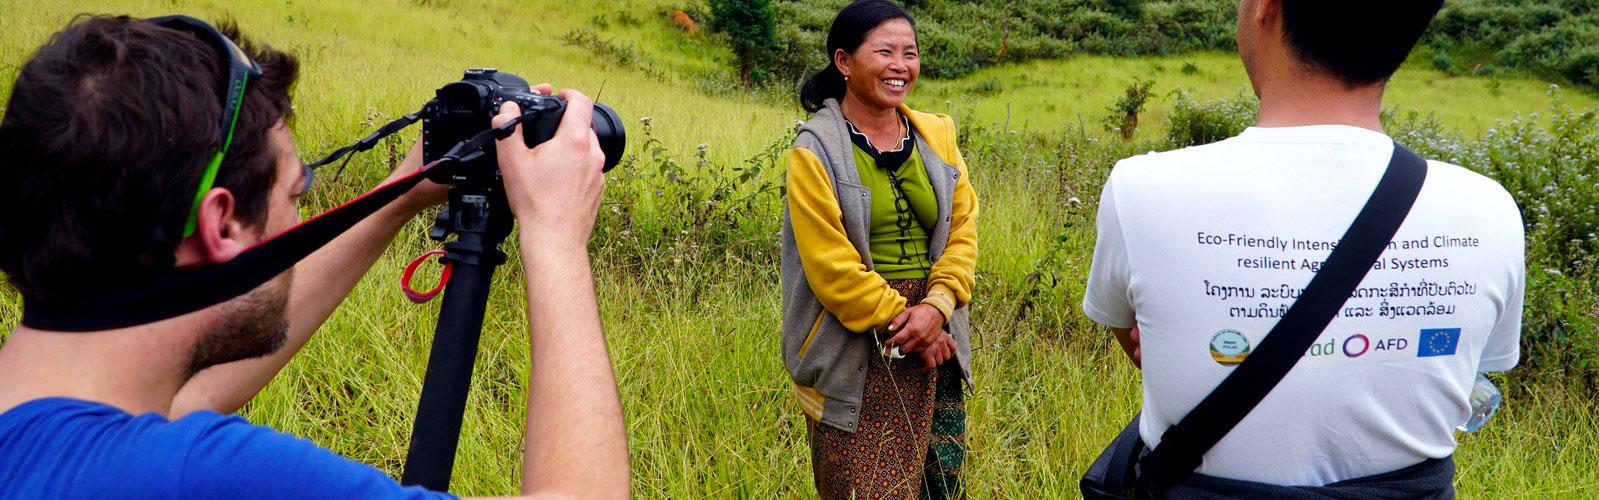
1359	42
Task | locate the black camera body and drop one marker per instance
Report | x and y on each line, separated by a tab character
464	108
477	209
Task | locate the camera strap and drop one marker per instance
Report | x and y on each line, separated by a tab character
191	289
367	143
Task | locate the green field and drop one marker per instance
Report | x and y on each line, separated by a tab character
1046	95
688	282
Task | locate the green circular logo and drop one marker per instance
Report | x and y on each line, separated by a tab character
1229	347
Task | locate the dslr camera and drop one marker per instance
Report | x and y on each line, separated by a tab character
462	109
477	209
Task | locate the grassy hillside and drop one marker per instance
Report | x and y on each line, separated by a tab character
686	249
1048	95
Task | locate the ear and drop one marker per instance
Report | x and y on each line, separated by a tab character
219	236
1268	13
841	61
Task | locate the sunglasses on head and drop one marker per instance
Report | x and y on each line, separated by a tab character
241	70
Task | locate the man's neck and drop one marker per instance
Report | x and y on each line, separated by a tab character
137	370
1304	98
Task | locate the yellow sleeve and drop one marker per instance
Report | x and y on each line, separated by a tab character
858	297
949	285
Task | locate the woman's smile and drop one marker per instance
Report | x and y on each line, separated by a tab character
896	86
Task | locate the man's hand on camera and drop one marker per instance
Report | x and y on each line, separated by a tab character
554	189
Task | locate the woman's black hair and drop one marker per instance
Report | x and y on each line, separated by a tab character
848	32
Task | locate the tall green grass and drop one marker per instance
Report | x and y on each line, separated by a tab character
686	250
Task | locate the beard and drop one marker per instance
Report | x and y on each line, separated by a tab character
253	325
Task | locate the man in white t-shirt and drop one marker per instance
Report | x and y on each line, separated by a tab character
1201	250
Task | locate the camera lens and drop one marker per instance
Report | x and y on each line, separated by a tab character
613	138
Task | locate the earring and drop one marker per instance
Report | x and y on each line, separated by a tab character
846	78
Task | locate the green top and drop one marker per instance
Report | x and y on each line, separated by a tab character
898	239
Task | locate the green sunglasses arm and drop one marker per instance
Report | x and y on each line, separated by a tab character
210	176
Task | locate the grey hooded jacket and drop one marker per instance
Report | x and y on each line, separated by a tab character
830	376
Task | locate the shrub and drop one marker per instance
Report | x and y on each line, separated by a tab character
1175	27
1556	40
1124	112
959	37
1203	122
801	39
691	213
1443	63
749	27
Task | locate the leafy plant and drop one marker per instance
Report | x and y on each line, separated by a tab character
750	31
1202	122
1124	113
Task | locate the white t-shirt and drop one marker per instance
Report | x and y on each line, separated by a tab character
1205	247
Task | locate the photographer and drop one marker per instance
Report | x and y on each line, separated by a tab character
106	138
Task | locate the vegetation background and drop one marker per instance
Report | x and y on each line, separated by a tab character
686	248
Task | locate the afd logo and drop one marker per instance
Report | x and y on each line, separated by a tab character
1437	342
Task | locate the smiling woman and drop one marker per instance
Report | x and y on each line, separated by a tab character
879	250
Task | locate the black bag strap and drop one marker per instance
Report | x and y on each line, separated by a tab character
1183	446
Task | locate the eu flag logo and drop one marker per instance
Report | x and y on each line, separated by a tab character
1438	342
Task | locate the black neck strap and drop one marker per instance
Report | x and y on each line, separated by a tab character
192	289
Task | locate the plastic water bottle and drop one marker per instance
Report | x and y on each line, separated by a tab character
1485	400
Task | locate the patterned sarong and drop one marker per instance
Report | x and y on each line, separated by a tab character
910	441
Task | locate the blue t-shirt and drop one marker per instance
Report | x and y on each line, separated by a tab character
67	448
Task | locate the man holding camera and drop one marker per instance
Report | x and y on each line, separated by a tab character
106	139
1200	252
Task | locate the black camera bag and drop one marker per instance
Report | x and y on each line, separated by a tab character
1125	471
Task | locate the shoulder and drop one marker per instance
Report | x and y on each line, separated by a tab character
86	449
1461	181
58	447
817	134
805	155
1178	159
228	456
937	125
938	129
1176	168
1472	194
